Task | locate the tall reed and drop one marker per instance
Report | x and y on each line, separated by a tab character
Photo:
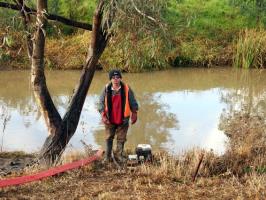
250	49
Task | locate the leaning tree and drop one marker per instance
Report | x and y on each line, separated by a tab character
61	129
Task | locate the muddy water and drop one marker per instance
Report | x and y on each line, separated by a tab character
179	109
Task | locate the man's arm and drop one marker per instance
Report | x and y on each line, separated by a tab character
101	101
101	107
133	106
132	101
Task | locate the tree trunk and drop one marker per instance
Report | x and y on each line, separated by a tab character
61	130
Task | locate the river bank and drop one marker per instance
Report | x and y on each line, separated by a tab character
14	162
239	173
208	34
69	52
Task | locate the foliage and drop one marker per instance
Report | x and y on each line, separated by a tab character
12	50
138	24
212	19
204	32
197	52
250	50
252	8
67	52
124	52
9	19
7	43
78	10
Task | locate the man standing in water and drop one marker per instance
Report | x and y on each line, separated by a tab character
117	104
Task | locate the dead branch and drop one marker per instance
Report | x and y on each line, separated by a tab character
198	166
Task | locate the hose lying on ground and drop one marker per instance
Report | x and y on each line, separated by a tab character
50	172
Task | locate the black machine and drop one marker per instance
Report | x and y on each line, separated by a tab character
143	152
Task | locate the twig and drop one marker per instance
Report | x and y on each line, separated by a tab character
6	119
143	14
198	166
115	161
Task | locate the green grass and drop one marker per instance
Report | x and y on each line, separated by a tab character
205	31
207	18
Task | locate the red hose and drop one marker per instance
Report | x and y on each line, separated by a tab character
50	172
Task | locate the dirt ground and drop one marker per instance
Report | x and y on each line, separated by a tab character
14	162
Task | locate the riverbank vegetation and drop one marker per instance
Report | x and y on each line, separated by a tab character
188	33
250	49
239	173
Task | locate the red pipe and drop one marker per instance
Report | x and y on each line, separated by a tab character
50	172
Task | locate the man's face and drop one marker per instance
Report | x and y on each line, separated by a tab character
116	80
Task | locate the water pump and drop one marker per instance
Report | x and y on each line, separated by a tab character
143	153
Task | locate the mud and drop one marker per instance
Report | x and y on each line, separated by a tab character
14	162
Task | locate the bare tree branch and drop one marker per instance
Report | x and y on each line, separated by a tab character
52	17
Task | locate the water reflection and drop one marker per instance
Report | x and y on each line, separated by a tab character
179	109
248	99
154	124
199	114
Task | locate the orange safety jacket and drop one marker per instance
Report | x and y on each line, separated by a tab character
126	108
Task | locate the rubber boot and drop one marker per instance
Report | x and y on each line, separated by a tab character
108	152
119	152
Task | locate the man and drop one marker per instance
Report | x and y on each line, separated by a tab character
117	104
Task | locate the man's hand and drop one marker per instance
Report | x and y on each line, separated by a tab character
105	119
134	117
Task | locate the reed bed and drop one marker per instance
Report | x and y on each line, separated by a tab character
250	49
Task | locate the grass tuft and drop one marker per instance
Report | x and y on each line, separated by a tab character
250	49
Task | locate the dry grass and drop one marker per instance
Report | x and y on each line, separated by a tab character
106	182
238	174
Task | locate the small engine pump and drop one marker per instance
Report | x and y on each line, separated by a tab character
143	153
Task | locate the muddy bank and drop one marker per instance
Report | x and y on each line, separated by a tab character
14	162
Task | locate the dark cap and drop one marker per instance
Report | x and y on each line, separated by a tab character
114	72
